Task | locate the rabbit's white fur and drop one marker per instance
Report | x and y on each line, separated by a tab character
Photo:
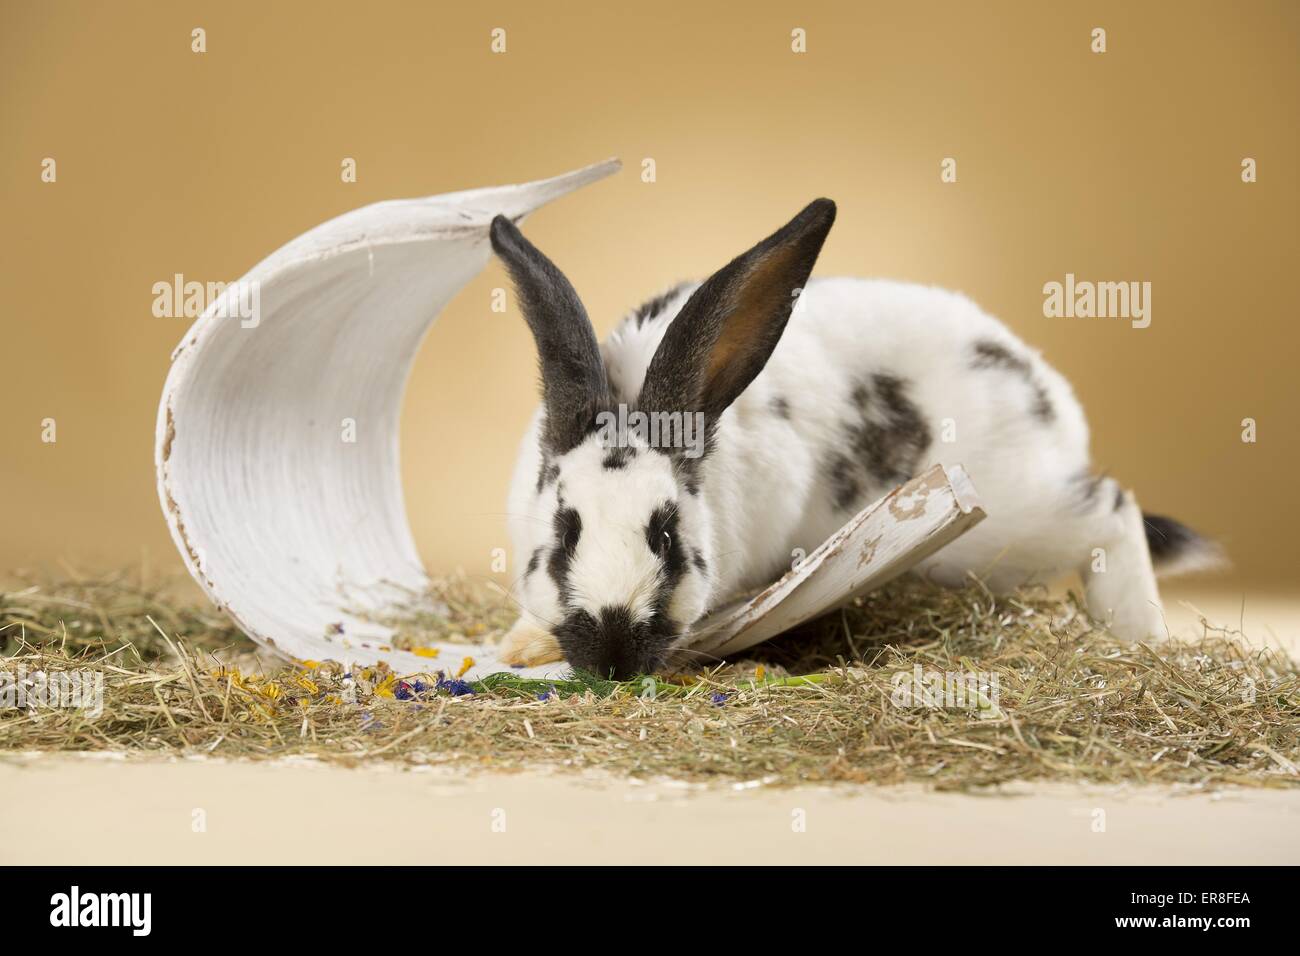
856	353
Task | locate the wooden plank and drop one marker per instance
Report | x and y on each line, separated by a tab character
300	537
878	544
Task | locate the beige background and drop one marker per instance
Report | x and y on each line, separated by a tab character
1122	166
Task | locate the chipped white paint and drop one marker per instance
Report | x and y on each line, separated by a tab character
285	525
300	535
879	543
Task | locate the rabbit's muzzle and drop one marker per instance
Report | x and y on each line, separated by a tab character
613	645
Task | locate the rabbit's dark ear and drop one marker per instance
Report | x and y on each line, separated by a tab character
726	331
574	384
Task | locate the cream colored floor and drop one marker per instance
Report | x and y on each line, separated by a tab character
83	811
96	810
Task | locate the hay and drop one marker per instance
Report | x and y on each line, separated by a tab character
1059	700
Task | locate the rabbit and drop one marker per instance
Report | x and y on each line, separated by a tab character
812	398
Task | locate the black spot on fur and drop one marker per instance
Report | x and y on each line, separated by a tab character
842	474
990	354
547	473
1090	485
534	561
1091	490
698	560
688	470
1042	408
568	529
1119	498
780	407
892	436
655	307
885	444
618	457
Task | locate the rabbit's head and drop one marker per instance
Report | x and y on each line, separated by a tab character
626	567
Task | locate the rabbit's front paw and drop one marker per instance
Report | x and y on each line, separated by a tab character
528	645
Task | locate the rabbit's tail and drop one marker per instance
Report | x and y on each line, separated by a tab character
1177	549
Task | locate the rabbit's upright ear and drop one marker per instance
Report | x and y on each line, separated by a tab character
726	331
574	384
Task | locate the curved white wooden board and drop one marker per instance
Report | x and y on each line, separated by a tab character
879	543
286	526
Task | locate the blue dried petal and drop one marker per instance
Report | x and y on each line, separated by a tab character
455	687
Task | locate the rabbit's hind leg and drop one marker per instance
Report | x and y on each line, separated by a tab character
1119	581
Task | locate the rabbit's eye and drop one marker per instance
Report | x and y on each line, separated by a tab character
659	532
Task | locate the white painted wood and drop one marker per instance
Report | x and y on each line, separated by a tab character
875	546
284	524
292	530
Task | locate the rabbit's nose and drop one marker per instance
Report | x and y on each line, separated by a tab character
616	651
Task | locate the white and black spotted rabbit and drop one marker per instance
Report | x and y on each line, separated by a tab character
808	418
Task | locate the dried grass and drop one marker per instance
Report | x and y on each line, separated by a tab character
819	705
